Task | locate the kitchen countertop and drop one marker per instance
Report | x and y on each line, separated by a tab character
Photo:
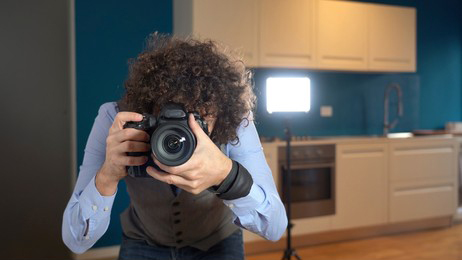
356	139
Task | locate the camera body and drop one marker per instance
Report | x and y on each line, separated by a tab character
172	140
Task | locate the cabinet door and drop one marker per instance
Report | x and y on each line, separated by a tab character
233	23
341	40
286	33
361	185
423	180
392	38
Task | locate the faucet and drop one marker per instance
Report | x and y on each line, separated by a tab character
386	125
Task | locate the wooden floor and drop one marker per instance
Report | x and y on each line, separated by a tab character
436	244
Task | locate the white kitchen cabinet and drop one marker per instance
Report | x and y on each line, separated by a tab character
361	185
392	38
341	35
286	33
233	23
423	180
315	34
381	182
366	37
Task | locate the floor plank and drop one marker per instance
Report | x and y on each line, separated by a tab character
436	244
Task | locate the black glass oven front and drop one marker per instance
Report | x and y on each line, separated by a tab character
312	186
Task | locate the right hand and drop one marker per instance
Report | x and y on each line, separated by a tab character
118	143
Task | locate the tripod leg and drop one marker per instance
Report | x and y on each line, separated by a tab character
286	255
289	252
296	255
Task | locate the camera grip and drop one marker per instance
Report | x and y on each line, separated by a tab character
148	122
201	122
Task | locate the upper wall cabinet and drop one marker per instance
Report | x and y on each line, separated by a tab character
315	34
392	38
366	37
341	35
286	33
234	23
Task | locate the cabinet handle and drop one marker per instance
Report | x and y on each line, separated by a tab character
330	57
309	166
392	60
401	192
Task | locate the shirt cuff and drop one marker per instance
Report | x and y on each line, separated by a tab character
252	201
93	204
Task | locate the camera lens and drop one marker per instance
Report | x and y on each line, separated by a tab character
173	143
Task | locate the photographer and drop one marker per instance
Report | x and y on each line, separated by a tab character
189	211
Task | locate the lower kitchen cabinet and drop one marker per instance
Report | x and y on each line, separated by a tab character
361	185
380	183
423	180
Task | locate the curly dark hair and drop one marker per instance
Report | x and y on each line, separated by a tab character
195	73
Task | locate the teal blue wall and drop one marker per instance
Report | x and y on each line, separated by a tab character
356	99
439	41
439	61
110	32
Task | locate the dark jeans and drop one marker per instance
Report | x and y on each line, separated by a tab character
230	248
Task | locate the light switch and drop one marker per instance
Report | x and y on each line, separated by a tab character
326	111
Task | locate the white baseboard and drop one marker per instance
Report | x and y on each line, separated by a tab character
99	253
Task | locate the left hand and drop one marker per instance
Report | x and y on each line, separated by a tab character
207	167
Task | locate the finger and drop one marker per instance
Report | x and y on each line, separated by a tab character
163	167
123	117
166	177
133	146
127	160
180	170
195	127
130	134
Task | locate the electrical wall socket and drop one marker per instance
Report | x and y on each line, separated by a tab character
326	111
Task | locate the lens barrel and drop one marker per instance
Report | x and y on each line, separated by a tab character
173	143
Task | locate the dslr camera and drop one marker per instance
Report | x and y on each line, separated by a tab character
172	140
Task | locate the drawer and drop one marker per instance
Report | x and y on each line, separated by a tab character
422	202
422	161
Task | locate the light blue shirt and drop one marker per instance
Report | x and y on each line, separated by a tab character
86	217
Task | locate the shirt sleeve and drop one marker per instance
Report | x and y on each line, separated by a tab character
87	214
261	211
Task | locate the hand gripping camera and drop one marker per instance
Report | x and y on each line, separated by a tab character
172	140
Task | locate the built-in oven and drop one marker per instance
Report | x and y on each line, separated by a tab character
312	187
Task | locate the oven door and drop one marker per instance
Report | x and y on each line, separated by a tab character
312	189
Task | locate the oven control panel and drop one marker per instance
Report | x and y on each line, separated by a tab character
308	153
